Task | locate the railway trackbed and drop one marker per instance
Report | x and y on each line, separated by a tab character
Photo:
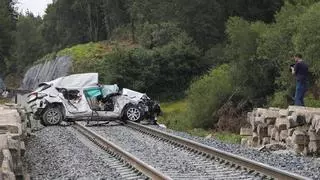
160	155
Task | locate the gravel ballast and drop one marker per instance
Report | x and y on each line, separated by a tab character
165	157
56	153
286	160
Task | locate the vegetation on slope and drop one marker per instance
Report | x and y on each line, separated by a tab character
221	57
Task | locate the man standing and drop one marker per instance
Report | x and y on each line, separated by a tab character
300	70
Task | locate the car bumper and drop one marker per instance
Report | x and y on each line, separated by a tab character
36	107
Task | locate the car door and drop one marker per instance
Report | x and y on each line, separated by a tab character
75	102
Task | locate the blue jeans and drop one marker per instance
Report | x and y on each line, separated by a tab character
301	88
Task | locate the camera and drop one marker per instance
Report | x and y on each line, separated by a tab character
291	66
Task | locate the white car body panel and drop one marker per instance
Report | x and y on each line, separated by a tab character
80	107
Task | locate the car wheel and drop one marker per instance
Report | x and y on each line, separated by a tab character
133	113
52	116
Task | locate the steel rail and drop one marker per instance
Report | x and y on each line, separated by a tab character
144	168
233	159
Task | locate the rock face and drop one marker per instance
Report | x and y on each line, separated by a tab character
47	71
296	127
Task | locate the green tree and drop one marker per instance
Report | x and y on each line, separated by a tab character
307	38
28	41
7	26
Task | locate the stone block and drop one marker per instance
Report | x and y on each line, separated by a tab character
270	127
262	130
8	157
265	140
299	137
298	148
10	121
22	148
246	132
260	112
249	114
309	118
300	119
244	141
270	117
315	124
283	113
306	151
283	135
273	141
274	109
290	131
277	136
281	123
270	121
289	142
259	120
313	136
255	139
291	123
3	141
14	144
250	143
274	133
314	146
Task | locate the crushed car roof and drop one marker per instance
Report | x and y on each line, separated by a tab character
75	81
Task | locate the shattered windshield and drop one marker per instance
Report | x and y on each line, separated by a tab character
109	89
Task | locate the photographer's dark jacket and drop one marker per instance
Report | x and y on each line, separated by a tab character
301	71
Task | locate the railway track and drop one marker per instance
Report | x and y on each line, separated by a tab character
126	164
208	163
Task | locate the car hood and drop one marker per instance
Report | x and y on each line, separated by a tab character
134	95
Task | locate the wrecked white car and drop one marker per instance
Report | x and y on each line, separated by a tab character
80	97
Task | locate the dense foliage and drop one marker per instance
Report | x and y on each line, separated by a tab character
224	56
8	18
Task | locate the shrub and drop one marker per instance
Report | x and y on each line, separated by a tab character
207	95
173	113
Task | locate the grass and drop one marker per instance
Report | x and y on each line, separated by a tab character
173	118
228	137
311	102
199	132
174	107
173	113
3	100
84	51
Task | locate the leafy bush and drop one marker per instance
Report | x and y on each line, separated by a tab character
173	113
279	99
157	35
307	38
311	102
207	95
164	71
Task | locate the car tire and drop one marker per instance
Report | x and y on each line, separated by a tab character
52	116
133	113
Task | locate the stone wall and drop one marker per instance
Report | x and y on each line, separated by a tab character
12	134
296	127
